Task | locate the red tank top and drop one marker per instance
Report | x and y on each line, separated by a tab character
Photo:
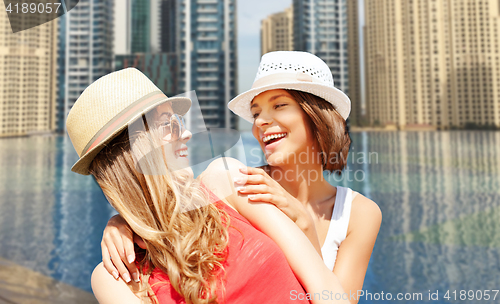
256	269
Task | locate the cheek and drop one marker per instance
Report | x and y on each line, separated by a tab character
255	132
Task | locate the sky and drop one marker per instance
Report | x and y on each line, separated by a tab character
250	13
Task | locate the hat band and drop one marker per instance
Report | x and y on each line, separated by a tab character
125	115
284	77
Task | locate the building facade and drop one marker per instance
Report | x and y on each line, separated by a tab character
433	63
27	76
207	49
168	26
140	26
354	75
161	68
88	49
320	27
276	32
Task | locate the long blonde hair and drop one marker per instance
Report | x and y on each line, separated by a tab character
188	246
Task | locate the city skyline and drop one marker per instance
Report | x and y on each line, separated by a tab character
438	68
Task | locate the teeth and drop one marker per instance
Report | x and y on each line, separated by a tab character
273	136
182	153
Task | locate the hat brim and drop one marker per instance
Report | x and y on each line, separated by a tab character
240	105
180	105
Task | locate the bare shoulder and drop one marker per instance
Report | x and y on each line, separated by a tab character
365	213
109	290
219	178
221	168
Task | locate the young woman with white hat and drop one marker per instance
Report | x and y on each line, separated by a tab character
299	119
296	111
131	138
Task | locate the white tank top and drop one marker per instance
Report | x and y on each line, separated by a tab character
337	230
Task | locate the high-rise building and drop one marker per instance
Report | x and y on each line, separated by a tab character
27	76
276	32
161	68
88	49
207	50
320	28
140	27
355	94
168	26
433	63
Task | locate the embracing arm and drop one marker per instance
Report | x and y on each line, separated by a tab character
302	257
117	246
355	251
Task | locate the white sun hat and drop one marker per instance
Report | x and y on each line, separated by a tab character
300	71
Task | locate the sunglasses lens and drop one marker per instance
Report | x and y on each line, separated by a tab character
175	126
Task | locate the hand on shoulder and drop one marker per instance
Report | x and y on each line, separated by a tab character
220	174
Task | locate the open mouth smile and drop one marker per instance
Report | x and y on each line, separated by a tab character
181	153
272	138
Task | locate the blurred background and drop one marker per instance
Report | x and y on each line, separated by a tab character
424	81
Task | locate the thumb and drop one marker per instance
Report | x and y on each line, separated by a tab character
139	241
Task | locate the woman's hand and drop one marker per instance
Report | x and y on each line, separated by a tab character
260	187
117	246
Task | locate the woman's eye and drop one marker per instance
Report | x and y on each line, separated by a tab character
255	115
280	105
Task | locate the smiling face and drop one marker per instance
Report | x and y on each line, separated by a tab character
281	127
174	146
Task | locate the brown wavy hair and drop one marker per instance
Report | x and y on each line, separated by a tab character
189	246
329	128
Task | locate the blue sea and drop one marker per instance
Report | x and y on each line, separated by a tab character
439	193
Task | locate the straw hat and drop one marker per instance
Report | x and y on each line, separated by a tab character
299	71
107	106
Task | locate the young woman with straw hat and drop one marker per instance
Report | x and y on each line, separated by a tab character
299	119
131	138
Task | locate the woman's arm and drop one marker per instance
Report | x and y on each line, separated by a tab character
260	187
302	257
355	251
117	247
108	290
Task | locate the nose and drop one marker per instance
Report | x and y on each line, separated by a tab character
185	136
262	120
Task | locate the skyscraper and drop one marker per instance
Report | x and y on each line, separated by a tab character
205	41
161	68
320	27
354	62
88	50
433	63
168	26
276	32
140	26
27	76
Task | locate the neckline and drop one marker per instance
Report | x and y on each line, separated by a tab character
335	204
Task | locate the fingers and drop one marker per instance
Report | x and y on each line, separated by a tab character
262	197
118	263
254	189
106	261
251	179
120	247
252	170
128	246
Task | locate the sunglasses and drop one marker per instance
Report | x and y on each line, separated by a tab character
173	126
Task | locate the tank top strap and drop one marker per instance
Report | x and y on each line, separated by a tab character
339	223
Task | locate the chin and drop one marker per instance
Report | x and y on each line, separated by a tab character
274	159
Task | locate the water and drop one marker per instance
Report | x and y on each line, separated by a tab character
439	193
